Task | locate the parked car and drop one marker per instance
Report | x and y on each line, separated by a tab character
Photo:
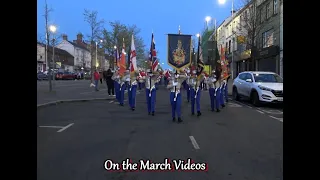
42	76
65	76
258	87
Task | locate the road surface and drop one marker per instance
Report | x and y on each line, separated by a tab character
239	143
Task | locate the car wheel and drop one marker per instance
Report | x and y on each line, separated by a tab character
255	99
235	95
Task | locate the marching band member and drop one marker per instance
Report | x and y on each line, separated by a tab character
211	83
132	91
218	89
222	92
151	91
116	79
142	77
195	91
186	85
122	87
175	96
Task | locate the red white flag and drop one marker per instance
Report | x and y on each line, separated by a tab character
133	57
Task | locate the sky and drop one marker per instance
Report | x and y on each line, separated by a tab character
160	16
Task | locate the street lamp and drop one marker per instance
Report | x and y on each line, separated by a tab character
198	35
208	19
52	29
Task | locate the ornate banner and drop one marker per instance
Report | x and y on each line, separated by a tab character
179	51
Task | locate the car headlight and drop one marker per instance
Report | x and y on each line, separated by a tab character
264	88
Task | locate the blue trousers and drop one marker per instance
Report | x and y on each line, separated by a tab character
151	101
175	105
121	93
221	95
96	83
132	96
195	100
217	98
116	88
212	98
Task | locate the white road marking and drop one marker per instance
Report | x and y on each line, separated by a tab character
243	104
194	142
111	102
51	127
261	112
66	127
271	111
279	119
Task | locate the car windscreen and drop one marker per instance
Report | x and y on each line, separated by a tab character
267	78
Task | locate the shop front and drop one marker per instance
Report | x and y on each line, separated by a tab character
268	59
244	63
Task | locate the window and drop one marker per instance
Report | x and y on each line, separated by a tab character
226	45
267	39
262	15
248	76
275	6
229	48
40	57
268	10
268	78
242	76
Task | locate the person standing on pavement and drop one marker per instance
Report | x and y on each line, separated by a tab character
175	96
151	91
96	76
108	78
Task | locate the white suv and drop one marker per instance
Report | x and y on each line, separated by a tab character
259	87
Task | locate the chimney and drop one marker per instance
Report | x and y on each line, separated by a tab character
79	37
65	37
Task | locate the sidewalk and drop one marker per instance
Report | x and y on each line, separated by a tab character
230	82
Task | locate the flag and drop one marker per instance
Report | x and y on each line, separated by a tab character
133	57
153	55
122	62
116	57
200	64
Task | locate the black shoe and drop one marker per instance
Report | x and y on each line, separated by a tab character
218	110
121	104
192	113
199	113
223	105
227	100
179	120
152	113
132	109
174	119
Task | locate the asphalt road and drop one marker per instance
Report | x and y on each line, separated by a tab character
238	143
68	89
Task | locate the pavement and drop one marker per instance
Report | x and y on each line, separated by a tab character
239	143
69	89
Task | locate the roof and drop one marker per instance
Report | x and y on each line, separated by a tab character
78	46
259	72
56	50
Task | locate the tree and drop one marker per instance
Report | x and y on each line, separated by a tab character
95	24
47	11
119	32
250	26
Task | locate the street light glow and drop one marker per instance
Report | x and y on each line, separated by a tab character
115	47
208	18
221	1
101	40
53	28
198	35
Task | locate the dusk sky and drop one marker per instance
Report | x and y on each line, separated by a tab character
161	16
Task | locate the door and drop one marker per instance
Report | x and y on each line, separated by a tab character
240	83
247	85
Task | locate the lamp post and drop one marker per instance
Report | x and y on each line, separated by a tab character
52	29
208	19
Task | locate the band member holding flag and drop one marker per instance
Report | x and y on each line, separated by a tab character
152	78
133	79
200	78
123	74
175	96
